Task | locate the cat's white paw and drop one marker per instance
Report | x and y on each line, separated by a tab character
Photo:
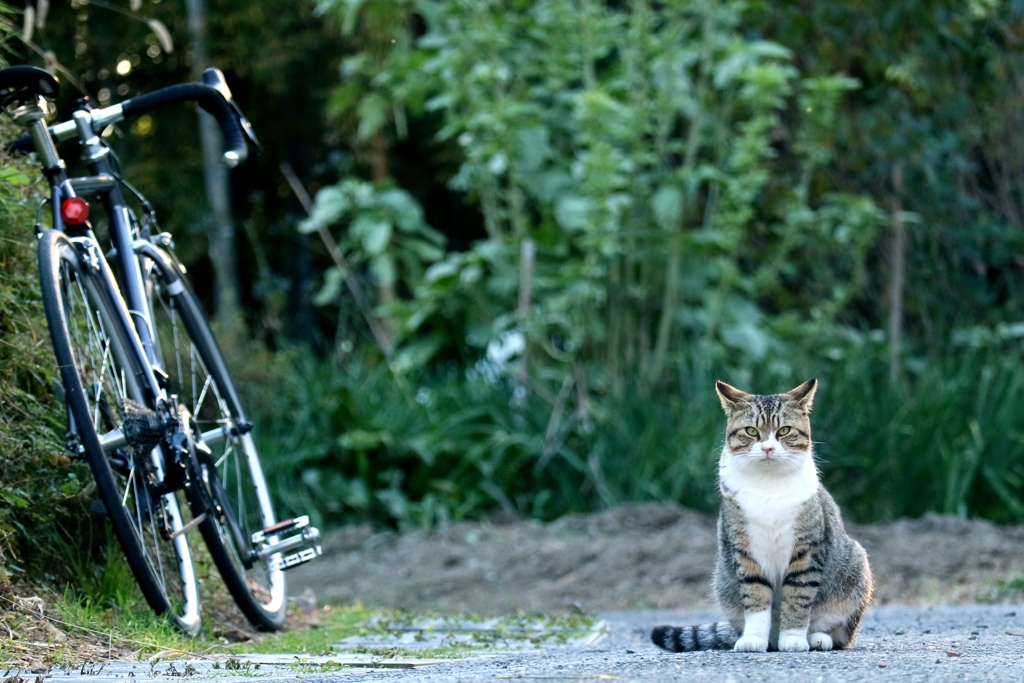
751	644
793	644
820	641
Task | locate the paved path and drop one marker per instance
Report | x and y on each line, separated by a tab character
974	643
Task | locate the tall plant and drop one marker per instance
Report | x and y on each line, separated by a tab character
663	165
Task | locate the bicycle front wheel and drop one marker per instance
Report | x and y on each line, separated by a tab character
100	368
233	491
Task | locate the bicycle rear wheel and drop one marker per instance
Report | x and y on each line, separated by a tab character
233	491
100	370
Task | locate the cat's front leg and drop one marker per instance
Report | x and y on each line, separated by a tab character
756	628
756	593
799	589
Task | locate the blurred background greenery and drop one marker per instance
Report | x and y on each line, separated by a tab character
541	229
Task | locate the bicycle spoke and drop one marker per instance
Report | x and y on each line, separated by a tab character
131	474
202	396
230	478
97	354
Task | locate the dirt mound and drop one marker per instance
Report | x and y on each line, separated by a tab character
636	556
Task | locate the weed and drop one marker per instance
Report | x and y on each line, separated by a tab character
322	668
1010	589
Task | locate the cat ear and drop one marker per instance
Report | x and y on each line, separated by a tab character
731	397
804	394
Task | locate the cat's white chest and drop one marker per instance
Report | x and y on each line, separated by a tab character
771	505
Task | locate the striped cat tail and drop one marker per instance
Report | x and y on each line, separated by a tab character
717	636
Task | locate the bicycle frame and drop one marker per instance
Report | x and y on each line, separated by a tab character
126	279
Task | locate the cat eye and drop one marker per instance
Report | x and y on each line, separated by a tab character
783	431
752	431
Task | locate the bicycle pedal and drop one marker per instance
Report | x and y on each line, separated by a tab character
288	552
280	528
294	560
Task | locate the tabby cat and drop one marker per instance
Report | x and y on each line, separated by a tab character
787	576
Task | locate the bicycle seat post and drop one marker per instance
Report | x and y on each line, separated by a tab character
31	115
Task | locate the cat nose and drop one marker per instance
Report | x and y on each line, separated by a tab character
768	450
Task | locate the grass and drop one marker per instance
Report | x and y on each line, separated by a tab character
68	631
1009	589
345	442
40	502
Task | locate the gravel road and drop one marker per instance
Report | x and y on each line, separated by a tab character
942	643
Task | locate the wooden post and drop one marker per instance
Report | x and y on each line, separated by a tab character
899	257
527	252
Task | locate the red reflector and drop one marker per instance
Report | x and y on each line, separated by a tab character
74	211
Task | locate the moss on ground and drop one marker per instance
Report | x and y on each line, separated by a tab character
67	631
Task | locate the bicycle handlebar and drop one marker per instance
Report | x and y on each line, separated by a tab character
207	97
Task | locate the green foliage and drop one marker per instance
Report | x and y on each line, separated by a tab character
346	441
636	149
941	94
701	202
386	233
42	504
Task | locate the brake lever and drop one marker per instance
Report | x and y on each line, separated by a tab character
214	78
250	134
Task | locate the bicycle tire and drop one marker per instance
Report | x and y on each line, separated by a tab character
97	363
231	477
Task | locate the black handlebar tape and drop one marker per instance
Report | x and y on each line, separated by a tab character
206	97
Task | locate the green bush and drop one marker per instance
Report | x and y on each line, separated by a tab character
41	491
348	442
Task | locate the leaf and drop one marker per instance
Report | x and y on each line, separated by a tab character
426	251
373	112
28	25
383	269
444	269
412	323
331	287
14	499
14	176
329	207
766	48
534	148
43	9
343	99
498	163
418	353
373	233
572	212
162	35
350	15
407	211
361	440
667	205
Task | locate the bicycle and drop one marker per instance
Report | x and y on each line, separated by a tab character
150	401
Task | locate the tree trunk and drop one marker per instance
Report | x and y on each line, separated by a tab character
382	172
215	174
899	257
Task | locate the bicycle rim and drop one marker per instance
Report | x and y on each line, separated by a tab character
234	486
99	371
